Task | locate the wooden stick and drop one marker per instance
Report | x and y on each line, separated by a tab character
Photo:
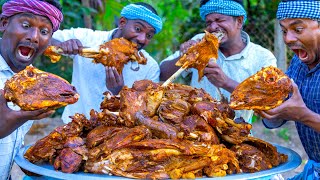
85	51
174	76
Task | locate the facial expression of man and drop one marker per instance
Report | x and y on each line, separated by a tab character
137	31
303	37
25	37
229	25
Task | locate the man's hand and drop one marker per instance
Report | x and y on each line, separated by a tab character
186	45
114	81
292	109
72	46
10	120
218	78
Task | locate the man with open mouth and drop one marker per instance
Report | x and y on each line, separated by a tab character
238	57
300	23
139	23
27	27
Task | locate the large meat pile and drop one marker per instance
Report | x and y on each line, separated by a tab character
155	132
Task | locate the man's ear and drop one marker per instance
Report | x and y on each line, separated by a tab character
122	22
240	21
4	21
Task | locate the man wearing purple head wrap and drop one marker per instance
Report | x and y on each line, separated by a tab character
238	58
139	22
300	23
27	27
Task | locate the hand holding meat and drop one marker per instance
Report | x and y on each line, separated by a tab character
198	54
70	47
186	45
114	80
216	76
115	53
32	89
292	109
10	119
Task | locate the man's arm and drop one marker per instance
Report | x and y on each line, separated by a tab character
70	47
10	120
168	68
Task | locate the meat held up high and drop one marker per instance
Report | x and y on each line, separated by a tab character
33	89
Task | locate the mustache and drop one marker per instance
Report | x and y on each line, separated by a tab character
29	44
217	30
295	46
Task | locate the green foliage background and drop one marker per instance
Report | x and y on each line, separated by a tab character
181	22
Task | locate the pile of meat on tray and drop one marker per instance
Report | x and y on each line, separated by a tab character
155	132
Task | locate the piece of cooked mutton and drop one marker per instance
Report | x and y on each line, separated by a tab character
33	89
114	53
266	89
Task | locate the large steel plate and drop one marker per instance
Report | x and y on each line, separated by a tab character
45	169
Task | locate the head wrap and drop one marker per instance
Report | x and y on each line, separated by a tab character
134	11
41	8
299	9
226	7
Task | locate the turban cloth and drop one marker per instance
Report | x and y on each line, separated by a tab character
41	8
134	11
226	7
299	9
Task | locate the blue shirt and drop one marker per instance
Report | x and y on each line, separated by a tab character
308	82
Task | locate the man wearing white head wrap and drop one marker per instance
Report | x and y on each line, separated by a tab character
139	22
27	27
299	20
238	58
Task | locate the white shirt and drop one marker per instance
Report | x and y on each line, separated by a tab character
10	145
238	67
90	79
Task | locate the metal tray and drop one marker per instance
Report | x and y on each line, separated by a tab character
45	169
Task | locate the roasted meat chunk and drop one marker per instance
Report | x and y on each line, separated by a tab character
173	111
52	54
33	89
198	56
265	90
112	103
114	53
47	148
255	155
71	156
165	158
118	52
197	129
250	158
132	101
159	129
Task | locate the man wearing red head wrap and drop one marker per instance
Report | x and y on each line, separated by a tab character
27	27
